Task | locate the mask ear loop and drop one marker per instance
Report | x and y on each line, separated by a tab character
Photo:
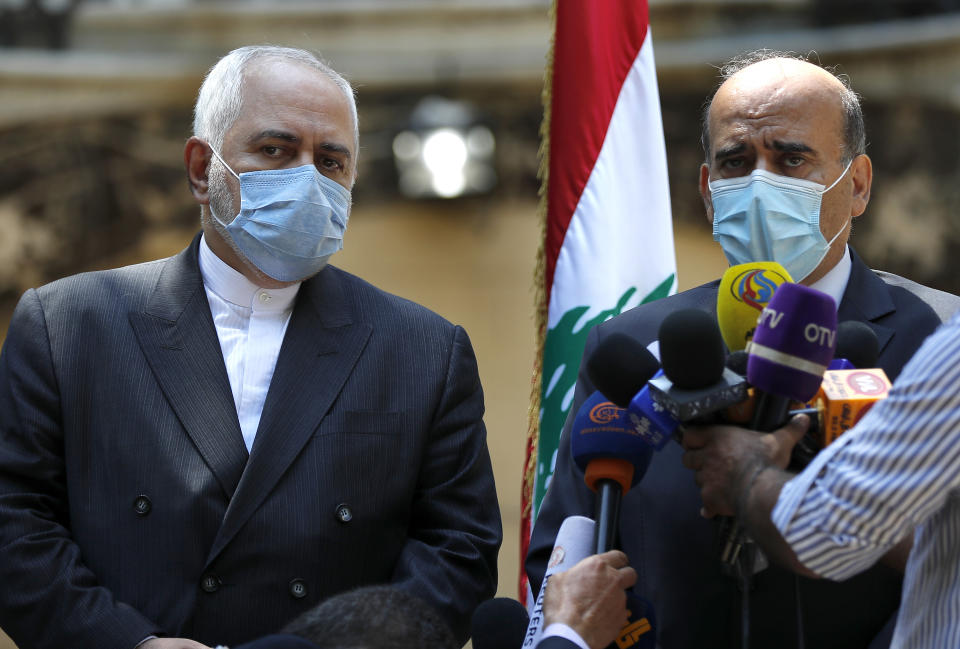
224	162
834	184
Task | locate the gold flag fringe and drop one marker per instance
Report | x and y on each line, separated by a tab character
540	305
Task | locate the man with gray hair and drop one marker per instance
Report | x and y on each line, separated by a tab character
208	445
777	126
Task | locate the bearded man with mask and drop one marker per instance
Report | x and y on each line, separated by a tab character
208	445
785	175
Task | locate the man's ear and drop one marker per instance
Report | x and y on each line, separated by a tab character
705	192
861	171
196	158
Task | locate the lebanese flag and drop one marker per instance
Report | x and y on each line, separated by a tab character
605	207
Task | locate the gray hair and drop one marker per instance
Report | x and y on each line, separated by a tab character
221	94
854	132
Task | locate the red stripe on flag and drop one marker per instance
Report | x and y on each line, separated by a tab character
595	45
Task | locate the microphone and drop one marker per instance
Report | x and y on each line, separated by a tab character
574	542
793	344
499	623
745	289
619	367
794	341
857	346
695	382
612	457
843	399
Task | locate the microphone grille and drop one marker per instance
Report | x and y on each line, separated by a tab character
619	367
691	349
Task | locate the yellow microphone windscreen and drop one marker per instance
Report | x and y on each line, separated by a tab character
745	290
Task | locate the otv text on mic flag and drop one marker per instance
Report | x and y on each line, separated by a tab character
605	207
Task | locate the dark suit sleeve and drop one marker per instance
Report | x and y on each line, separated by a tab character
48	598
450	557
567	494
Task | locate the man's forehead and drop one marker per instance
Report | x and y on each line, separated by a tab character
291	97
782	97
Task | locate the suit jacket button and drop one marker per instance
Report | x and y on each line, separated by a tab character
142	505
298	588
344	513
210	583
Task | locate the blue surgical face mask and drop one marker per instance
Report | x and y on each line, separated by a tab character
290	222
768	217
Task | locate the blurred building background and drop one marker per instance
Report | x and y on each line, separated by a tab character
96	98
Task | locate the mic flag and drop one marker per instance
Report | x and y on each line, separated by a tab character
602	431
844	398
745	289
619	367
794	342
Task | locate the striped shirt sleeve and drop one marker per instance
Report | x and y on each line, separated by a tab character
886	475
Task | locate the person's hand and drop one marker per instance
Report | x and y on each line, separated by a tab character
727	459
171	643
590	597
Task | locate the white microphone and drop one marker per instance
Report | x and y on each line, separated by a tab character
574	543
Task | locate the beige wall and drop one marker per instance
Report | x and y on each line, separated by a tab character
474	267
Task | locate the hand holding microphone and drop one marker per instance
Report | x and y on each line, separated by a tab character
727	459
792	345
591	597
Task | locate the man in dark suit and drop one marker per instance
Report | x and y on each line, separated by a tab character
207	445
776	127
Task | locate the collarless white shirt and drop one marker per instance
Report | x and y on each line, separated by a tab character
834	283
251	322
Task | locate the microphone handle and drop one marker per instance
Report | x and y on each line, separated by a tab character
609	493
770	413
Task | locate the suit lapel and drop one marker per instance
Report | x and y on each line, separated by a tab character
867	299
179	340
319	351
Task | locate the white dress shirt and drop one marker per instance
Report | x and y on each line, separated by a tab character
834	283
250	322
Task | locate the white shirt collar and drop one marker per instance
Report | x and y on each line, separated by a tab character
834	283
231	285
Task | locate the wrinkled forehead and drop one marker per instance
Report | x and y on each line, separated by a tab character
780	92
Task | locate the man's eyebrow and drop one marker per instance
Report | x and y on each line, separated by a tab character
733	149
791	147
333	147
271	134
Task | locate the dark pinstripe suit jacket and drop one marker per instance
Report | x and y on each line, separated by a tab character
128	502
672	547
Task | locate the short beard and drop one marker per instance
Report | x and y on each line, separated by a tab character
221	202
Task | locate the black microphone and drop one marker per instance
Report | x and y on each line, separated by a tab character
499	623
619	366
695	381
857	344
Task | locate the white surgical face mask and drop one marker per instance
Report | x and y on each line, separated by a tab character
291	220
768	217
